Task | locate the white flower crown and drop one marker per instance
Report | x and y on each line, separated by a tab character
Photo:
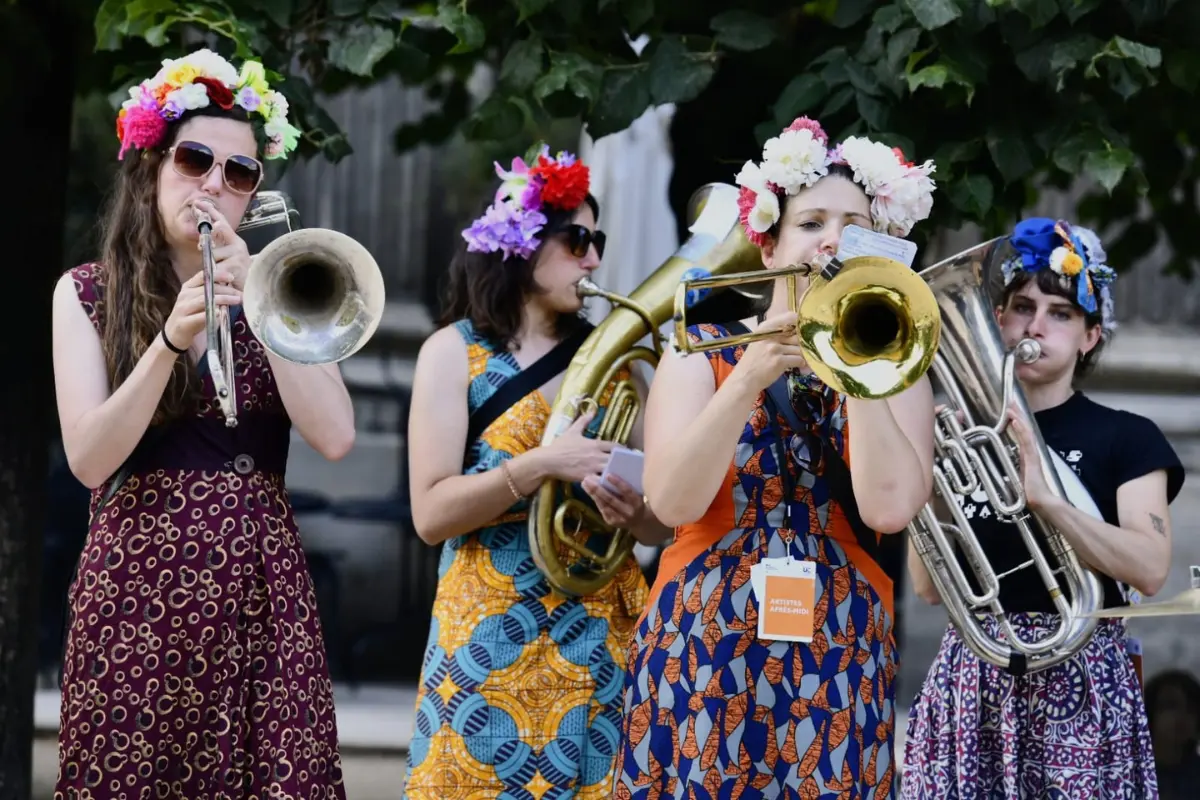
901	192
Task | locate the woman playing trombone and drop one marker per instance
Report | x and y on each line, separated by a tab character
194	664
713	705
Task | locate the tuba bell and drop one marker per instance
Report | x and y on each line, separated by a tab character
313	295
976	377
571	544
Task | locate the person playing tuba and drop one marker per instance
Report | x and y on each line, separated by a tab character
1078	728
520	691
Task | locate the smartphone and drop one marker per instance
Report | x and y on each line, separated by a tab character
626	464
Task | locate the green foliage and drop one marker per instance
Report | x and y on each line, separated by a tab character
1005	95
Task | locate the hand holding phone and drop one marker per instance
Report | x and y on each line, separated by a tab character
626	464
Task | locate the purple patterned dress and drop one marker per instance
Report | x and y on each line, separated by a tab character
195	666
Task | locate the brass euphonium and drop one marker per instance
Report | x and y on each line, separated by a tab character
571	544
976	377
311	296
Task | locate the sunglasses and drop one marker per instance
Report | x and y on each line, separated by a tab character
580	238
242	174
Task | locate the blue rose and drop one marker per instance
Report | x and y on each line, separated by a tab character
1035	239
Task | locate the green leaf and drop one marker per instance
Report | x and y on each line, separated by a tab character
1076	10
873	112
888	19
1068	154
849	12
933	14
972	195
677	75
347	8
742	30
1010	155
1145	55
528	8
466	28
900	45
523	64
1183	69
801	94
1107	167
637	13
358	50
624	96
840	99
278	11
862	78
569	71
937	76
1040	12
497	118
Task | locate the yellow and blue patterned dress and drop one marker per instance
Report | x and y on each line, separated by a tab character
521	688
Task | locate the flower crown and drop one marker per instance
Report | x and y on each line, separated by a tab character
513	221
901	192
1071	251
196	81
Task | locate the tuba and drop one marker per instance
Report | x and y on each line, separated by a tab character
976	376
571	544
312	295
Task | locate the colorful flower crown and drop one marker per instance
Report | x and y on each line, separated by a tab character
196	81
901	192
513	221
1071	251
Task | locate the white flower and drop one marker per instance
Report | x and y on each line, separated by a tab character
752	178
1091	243
1057	257
212	65
765	213
794	160
873	163
190	97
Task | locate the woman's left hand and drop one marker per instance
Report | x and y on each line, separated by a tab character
1037	490
229	250
622	508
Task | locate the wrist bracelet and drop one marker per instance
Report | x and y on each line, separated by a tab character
512	485
170	346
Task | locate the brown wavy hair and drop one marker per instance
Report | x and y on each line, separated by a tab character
491	292
1050	283
140	284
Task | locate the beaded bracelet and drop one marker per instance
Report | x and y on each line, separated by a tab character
512	485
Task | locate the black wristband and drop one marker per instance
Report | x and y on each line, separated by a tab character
170	346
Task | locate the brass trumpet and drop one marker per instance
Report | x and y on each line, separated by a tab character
869	327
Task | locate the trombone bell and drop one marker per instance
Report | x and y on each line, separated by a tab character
870	330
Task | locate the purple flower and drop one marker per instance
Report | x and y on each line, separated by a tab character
249	99
505	227
531	197
172	110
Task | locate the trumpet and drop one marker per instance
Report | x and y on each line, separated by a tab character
869	326
311	296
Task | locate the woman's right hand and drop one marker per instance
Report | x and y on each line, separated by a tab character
187	317
767	359
573	456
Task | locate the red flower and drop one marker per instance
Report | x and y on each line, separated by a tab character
218	92
900	155
564	187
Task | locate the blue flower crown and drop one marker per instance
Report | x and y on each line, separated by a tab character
1071	251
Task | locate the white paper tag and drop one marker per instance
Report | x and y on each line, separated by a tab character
859	241
787	590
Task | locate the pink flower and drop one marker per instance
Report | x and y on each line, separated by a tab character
811	125
142	128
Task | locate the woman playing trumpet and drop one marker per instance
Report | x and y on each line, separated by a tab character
195	665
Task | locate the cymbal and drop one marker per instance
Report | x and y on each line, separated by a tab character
1186	602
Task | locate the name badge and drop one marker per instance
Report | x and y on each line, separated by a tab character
787	595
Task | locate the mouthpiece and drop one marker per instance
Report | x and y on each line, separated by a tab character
1027	351
203	218
586	288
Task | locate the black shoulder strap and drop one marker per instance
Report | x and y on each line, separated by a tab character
524	382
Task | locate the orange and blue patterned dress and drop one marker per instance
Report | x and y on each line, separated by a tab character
520	693
712	711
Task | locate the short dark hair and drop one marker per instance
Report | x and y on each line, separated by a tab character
491	292
1051	283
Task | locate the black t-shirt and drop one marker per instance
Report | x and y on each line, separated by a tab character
1106	448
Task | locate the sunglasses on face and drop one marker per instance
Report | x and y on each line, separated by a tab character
241	174
580	238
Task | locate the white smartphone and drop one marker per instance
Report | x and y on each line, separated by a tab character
626	464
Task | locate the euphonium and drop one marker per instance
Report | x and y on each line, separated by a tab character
571	544
311	296
979	453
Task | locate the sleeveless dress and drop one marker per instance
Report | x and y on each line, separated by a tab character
520	693
195	665
712	711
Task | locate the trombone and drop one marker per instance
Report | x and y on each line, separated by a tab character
869	327
312	296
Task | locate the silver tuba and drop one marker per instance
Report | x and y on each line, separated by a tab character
312	295
976	376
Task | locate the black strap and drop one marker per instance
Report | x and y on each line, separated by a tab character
527	380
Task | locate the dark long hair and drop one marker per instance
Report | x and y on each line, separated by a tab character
491	292
1050	283
140	283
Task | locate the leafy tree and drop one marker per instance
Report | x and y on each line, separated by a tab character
1005	95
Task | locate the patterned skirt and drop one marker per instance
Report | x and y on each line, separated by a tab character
1077	730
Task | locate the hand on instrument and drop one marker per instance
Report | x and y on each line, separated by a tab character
1037	491
228	249
572	456
187	317
767	359
622	508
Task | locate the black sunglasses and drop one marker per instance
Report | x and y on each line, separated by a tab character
580	238
242	174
